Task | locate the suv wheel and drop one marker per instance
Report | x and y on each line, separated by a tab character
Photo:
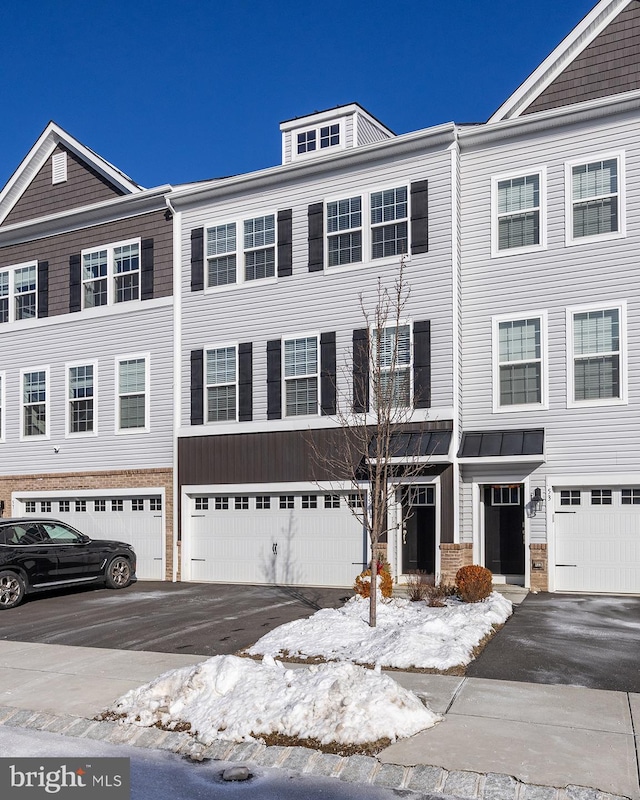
118	573
12	589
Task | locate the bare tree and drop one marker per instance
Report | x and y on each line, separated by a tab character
366	447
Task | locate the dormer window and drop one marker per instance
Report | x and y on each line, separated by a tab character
306	142
321	137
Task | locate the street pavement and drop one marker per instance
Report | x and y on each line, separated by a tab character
500	740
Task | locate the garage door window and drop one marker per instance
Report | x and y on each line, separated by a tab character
222	503
309	501
630	497
263	502
81	505
286	501
99	505
64	506
601	497
155	504
332	501
570	497
117	505
242	503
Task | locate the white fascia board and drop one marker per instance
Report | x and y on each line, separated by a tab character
50	138
599	479
80	493
124	207
553	118
429	138
497	460
568	49
332	113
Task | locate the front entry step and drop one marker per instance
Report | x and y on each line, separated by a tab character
514	593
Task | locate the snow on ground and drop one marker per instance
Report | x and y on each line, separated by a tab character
238	699
408	634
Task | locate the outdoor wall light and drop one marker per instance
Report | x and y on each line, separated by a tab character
536	501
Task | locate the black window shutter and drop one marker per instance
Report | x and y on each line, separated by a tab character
422	364
361	370
274	379
285	243
420	217
75	283
245	382
315	216
197	259
43	288
328	373
197	385
146	270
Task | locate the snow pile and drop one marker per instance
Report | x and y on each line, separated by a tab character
239	699
408	634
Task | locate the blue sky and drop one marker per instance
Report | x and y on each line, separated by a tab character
177	91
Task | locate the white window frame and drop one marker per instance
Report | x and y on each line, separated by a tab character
47	405
240	252
147	393
68	433
366	227
373	338
543	405
111	275
541	172
313	335
3	406
619	155
621	307
11	271
295	156
206	385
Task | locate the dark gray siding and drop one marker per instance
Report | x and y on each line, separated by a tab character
446	505
609	65
57	249
83	187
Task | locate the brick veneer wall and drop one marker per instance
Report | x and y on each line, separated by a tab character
74	481
539	575
452	557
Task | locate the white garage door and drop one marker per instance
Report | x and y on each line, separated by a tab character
597	539
137	520
294	539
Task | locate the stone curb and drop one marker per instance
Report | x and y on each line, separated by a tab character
436	781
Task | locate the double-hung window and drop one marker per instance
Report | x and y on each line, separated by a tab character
132	381
111	274
301	373
344	231
35	402
595	199
81	384
391	374
517	217
241	251
518	362
597	362
221	384
389	223
19	292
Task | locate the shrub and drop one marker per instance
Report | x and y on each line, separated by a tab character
362	585
418	585
474	583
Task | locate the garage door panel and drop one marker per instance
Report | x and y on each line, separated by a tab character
597	546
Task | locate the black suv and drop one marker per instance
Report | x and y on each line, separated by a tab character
37	554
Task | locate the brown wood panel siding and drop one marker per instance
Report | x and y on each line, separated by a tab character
83	187
446	505
57	250
273	457
609	65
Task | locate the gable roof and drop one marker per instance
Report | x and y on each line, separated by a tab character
564	55
52	136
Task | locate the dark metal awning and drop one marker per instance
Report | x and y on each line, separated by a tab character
527	444
419	444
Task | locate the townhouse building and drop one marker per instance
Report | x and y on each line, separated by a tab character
86	344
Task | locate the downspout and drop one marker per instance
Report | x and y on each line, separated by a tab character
177	372
456	323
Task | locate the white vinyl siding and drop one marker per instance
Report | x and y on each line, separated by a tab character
221	384
81	418
111	274
35	402
3	405
519	366
301	376
392	362
19	292
595	199
241	251
133	393
596	355
518	213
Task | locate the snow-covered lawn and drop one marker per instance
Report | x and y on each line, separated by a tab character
408	635
239	699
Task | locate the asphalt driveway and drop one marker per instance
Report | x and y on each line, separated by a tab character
195	618
580	640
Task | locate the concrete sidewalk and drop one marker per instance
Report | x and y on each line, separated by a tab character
499	739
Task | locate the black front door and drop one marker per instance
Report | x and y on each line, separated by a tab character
504	529
419	539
